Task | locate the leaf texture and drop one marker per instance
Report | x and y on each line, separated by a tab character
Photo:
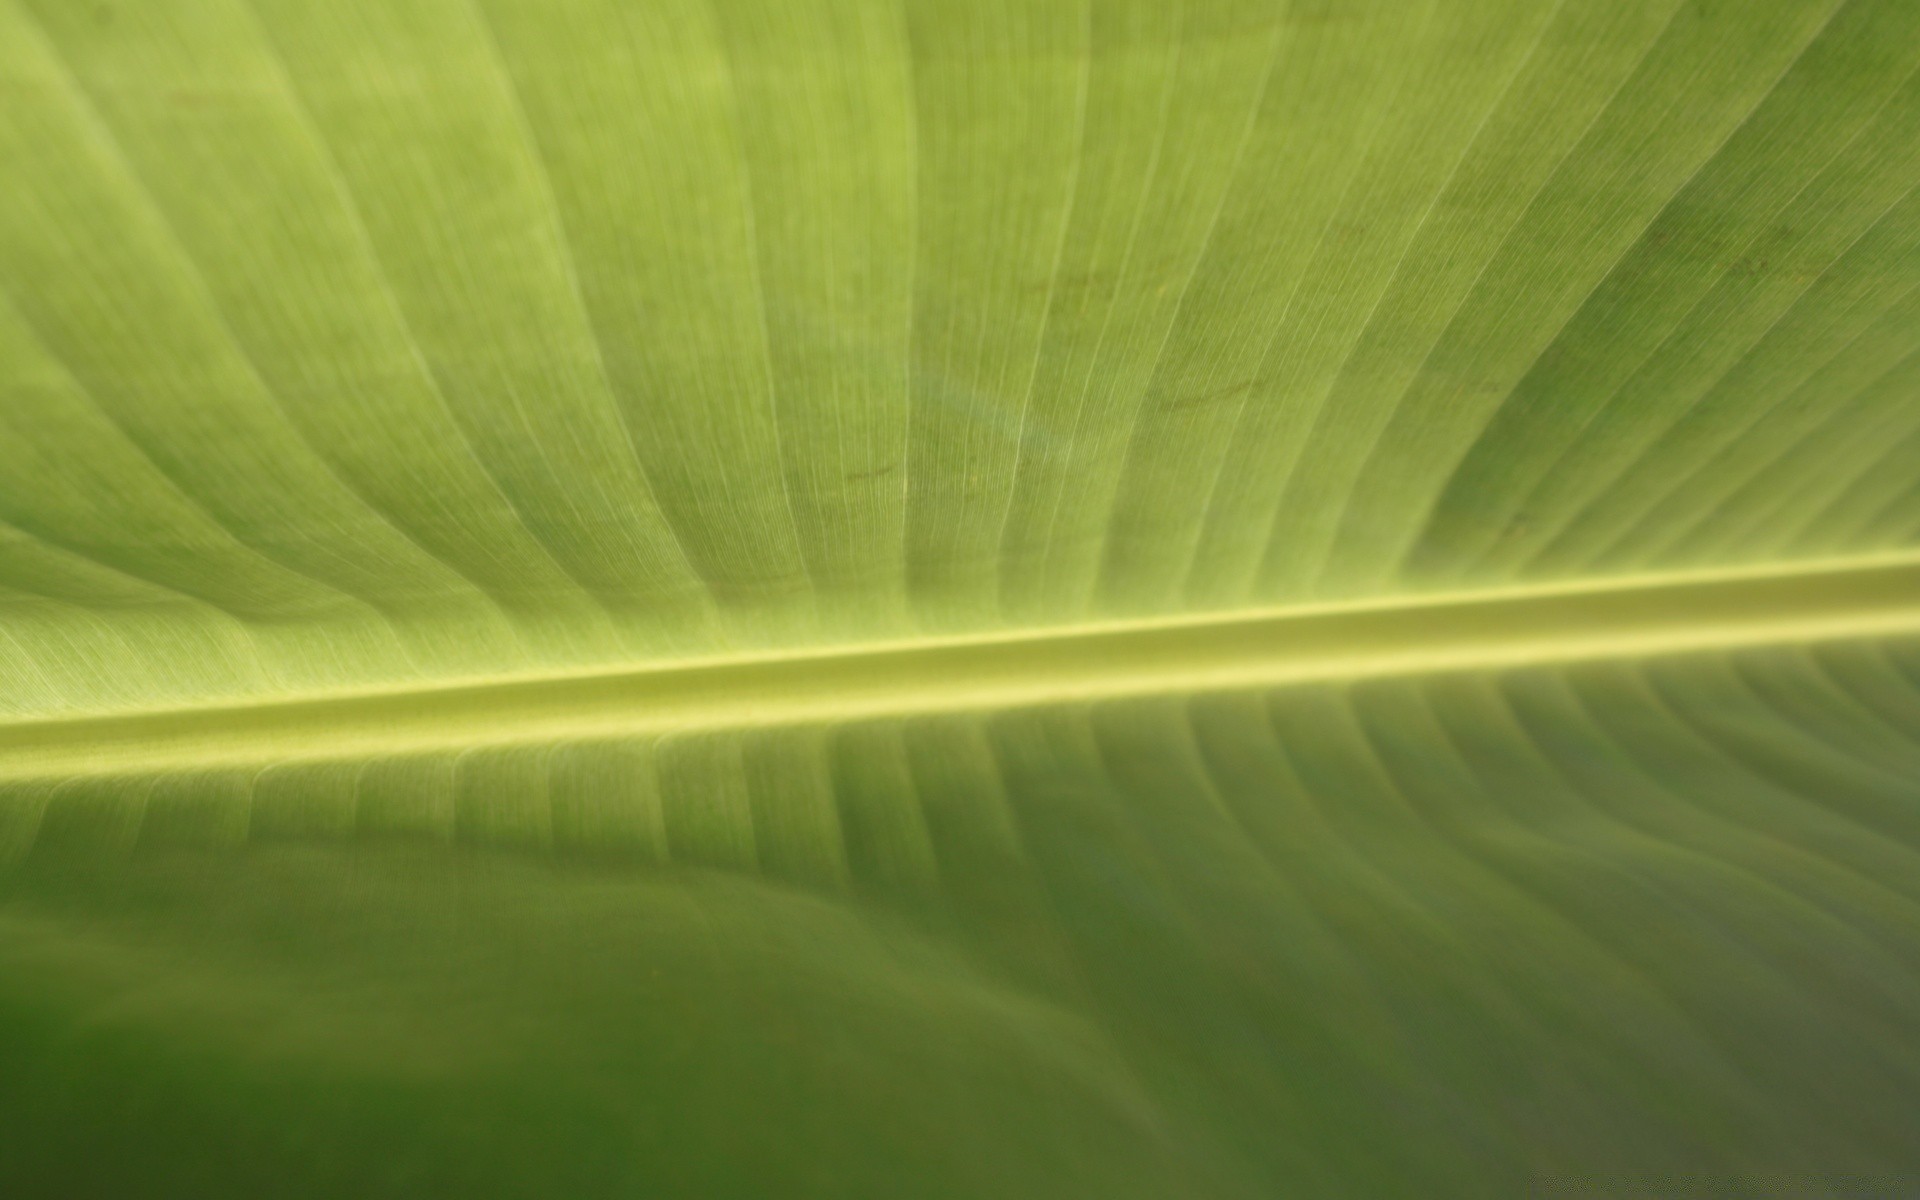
959	597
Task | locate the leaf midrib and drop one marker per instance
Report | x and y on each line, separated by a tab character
1622	617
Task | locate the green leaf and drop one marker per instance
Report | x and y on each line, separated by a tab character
959	597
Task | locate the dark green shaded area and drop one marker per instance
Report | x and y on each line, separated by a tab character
1650	926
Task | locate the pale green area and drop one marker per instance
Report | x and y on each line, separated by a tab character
557	370
386	340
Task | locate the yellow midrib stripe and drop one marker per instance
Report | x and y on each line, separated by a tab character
1622	618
